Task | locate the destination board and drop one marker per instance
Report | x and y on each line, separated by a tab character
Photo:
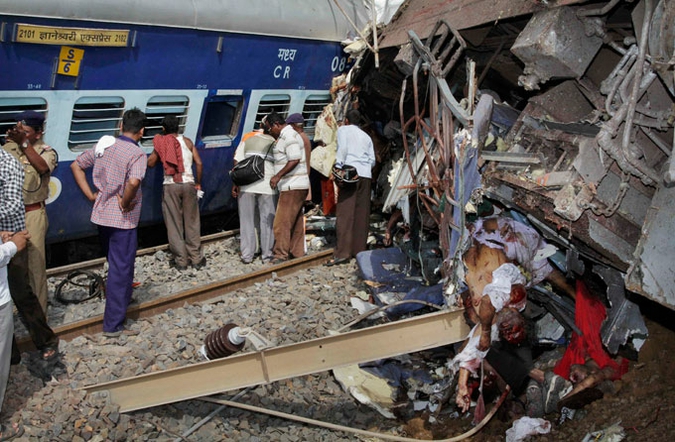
50	35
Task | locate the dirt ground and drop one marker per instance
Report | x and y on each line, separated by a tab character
644	403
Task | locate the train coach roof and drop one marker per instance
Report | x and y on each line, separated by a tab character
312	19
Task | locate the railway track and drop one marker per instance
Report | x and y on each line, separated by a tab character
98	262
158	305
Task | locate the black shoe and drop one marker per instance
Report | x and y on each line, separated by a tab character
200	264
336	262
178	267
16	354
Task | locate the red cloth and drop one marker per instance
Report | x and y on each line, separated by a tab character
170	153
589	314
328	196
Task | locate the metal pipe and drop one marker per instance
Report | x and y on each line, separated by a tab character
669	176
656	140
404	125
375	48
619	74
490	61
358	31
637	83
599	11
336	427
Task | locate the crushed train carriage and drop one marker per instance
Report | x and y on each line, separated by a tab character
572	124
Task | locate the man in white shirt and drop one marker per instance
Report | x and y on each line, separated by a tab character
292	181
355	149
11	243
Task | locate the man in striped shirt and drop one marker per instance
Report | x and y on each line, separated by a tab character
118	168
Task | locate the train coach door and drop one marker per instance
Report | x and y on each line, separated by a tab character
217	137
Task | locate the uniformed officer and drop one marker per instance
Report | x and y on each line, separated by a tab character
25	141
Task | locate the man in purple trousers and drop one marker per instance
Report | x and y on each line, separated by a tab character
119	166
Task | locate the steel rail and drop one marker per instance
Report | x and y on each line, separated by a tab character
97	262
203	293
284	362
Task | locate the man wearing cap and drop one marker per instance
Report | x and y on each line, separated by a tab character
119	166
292	181
355	149
13	219
26	144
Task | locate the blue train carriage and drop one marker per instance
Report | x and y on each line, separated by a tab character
218	65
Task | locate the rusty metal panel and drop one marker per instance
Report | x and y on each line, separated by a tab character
421	16
653	273
554	44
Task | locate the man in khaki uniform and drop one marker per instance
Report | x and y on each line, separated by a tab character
25	142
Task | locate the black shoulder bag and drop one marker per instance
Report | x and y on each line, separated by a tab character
249	170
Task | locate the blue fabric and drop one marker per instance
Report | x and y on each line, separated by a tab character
472	180
396	373
431	294
380	265
390	268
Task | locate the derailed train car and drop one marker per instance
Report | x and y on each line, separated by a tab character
576	131
218	66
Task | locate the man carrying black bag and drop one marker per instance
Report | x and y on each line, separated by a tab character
353	163
256	197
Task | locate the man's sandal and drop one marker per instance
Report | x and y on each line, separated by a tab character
48	353
9	432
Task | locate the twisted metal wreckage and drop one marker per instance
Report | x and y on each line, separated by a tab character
587	161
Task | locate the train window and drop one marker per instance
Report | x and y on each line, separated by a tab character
94	117
268	103
221	118
161	106
10	108
314	105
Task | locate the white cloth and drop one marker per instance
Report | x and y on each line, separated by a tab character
470	357
7	251
499	290
355	148
103	143
188	177
6	334
526	427
290	147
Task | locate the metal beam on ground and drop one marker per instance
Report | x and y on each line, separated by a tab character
284	362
